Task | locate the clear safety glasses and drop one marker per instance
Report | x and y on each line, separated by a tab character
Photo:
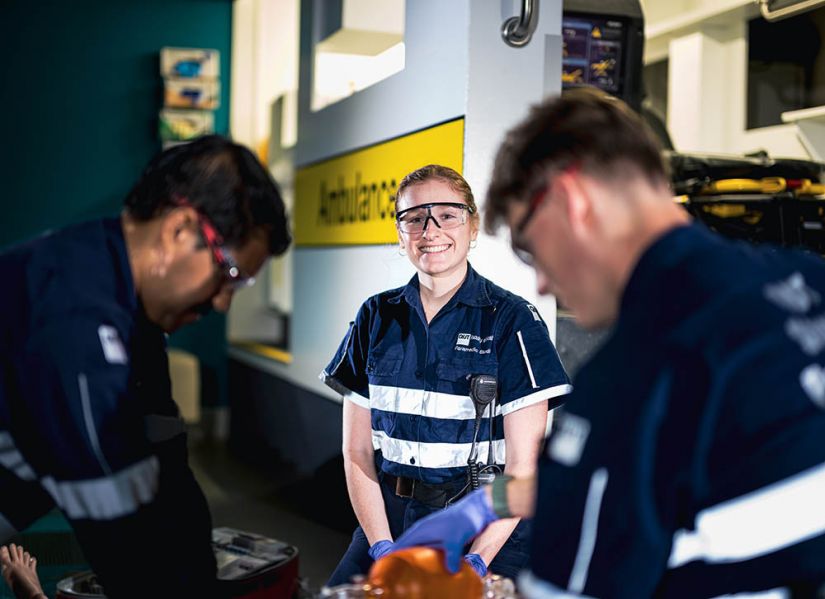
223	258
445	215
232	273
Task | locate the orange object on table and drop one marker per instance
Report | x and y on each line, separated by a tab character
419	573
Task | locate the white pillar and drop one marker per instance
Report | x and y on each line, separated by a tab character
699	97
502	83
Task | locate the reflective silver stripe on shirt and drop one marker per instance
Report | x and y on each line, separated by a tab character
12	459
446	406
590	527
771	594
418	402
346	393
766	520
532	587
432	455
88	418
358	400
535	397
108	497
7	529
526	360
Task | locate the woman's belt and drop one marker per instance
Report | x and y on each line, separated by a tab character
431	494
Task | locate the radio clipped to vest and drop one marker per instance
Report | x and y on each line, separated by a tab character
484	393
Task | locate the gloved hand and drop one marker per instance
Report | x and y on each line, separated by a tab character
475	560
380	548
451	529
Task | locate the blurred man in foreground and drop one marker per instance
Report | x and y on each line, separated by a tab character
689	459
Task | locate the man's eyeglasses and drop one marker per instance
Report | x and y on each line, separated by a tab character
445	215
230	270
520	246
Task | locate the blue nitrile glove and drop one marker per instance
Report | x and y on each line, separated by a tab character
451	529
474	559
380	548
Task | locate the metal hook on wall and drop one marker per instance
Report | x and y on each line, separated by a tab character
518	31
789	10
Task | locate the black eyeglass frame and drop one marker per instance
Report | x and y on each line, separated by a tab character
517	243
537	199
429	207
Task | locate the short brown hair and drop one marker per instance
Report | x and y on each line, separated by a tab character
441	173
585	127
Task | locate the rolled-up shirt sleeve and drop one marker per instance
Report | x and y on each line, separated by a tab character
346	373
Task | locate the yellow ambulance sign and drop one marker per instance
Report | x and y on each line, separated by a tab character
350	199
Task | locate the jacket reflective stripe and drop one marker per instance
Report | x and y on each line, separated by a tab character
771	594
532	587
763	521
88	418
13	460
109	497
7	529
431	455
590	528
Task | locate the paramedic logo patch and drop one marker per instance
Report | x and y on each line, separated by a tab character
568	438
467	342
113	349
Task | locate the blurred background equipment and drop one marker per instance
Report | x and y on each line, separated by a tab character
250	566
756	199
191	91
603	44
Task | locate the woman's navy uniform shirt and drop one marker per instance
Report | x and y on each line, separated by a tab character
690	460
87	420
414	377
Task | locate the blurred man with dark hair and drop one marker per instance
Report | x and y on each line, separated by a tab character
87	420
689	460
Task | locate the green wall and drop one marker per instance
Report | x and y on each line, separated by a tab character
79	98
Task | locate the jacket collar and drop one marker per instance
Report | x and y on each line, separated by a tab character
473	291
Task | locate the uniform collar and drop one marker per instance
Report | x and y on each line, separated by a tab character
672	264
473	291
113	229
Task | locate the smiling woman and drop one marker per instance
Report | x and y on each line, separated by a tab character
406	369
437	220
